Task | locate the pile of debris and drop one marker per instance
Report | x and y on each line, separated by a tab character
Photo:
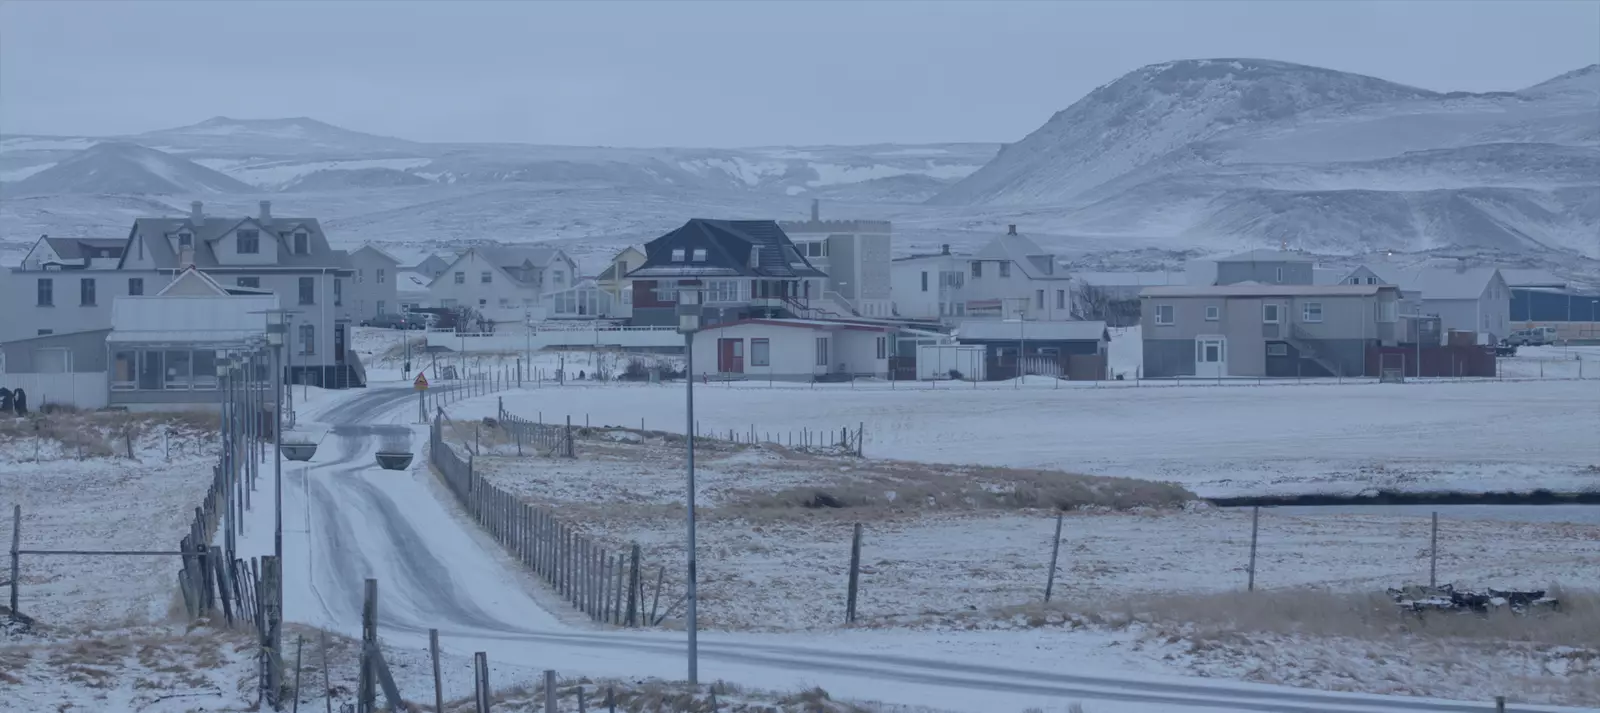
1416	598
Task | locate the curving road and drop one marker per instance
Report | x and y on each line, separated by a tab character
347	520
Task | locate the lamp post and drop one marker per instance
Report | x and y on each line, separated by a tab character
688	324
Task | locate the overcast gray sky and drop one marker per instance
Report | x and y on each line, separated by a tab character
712	74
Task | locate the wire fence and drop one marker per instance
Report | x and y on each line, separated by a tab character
606	585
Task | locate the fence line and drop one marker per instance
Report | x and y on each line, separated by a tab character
591	578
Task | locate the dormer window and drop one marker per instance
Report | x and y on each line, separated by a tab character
249	242
677	254
699	254
185	239
302	244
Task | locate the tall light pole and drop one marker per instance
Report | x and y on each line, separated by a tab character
688	324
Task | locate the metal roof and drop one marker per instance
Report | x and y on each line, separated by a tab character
1437	283
1001	330
1252	289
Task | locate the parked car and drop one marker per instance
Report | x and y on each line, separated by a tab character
1536	336
397	321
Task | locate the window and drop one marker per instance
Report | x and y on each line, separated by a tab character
1163	314
308	291
448	303
135	286
977	268
883	347
1271	313
822	351
359	275
1005	269
380	308
677	254
760	352
1389	312
1311	312
338	292
308	339
47	292
560	278
1213	313
86	292
483	302
302	245
1061	299
1372	280
505	302
721	291
1485	322
249	242
178	377
185	240
124	367
461	278
1280	275
46	332
485	277
924	280
1277	349
383	275
254	282
1038	299
205	369
699	254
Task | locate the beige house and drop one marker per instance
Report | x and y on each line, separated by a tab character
1251	329
614	280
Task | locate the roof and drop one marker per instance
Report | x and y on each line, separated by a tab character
1437	283
729	245
805	324
1254	289
1265	255
408	281
369	247
75	248
1531	278
1132	279
191	273
1328	276
508	256
1001	330
1034	261
210	228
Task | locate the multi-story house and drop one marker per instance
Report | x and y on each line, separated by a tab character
741	268
929	287
615	283
374	291
66	285
289	257
505	284
855	256
1464	298
1013	277
1250	329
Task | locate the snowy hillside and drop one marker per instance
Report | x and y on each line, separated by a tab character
125	168
1258	152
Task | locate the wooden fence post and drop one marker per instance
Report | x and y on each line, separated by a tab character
1433	552
633	586
480	680
550	691
433	653
367	691
855	575
16	557
1255	527
1055	551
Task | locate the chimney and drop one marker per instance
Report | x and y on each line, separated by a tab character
1461	264
944	249
816	209
186	257
1011	229
195	212
266	211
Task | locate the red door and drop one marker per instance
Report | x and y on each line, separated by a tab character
730	356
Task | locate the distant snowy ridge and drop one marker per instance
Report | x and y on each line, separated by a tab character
1262	152
116	167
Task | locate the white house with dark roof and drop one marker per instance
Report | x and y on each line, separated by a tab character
1468	299
375	287
289	257
505	284
1012	275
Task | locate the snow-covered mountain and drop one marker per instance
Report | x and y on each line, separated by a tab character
125	168
1260	152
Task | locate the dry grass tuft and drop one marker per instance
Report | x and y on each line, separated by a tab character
71	433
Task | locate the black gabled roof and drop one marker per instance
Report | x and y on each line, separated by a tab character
728	245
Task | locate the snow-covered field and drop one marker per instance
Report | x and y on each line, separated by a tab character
1227	440
103	501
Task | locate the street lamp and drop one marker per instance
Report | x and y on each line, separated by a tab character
688	324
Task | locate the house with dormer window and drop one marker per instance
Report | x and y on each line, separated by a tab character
744	269
505	284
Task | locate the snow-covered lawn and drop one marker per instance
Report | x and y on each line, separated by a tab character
104	501
1228	440
1552	363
